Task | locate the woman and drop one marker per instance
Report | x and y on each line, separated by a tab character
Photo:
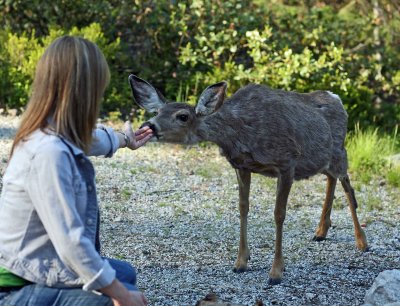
48	208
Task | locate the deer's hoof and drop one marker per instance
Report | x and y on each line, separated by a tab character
318	238
363	247
274	281
239	269
361	241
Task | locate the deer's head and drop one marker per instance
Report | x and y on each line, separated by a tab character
176	122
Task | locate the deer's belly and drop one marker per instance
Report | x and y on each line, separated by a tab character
245	162
303	169
310	163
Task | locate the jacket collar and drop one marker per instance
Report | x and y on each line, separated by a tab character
50	129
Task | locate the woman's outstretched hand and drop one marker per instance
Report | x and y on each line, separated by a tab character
139	137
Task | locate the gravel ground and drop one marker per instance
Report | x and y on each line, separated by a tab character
172	212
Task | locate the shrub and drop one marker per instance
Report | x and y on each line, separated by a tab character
302	52
369	155
22	52
393	176
183	46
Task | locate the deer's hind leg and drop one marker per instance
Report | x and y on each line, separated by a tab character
325	220
244	179
361	240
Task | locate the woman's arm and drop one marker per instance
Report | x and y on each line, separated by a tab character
51	188
107	141
50	185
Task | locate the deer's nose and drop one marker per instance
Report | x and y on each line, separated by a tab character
151	126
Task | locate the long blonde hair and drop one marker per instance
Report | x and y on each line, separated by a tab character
69	83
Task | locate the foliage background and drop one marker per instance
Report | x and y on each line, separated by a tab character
349	47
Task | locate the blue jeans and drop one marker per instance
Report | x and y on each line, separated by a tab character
39	295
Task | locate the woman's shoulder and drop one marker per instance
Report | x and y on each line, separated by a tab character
39	150
42	142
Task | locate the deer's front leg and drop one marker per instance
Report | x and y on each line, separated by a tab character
285	181
244	179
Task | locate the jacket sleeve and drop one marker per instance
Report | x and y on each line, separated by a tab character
50	186
105	142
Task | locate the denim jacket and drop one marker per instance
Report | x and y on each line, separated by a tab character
49	212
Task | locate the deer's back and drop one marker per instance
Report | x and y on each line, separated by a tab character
268	131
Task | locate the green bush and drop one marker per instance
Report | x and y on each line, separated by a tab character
393	176
299	52
183	46
369	154
21	53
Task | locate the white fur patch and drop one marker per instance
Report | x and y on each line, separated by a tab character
334	96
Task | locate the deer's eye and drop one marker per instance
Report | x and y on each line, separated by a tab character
183	117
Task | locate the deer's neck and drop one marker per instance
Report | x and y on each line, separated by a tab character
214	129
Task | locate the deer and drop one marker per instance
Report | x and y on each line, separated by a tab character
276	133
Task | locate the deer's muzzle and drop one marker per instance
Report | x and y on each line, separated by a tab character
152	127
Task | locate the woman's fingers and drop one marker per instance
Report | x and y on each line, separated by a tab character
139	137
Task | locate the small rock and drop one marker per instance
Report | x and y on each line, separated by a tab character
384	290
211	299
12	112
310	295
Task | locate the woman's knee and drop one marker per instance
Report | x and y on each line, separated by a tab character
125	272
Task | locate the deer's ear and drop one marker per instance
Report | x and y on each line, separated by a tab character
211	99
145	95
